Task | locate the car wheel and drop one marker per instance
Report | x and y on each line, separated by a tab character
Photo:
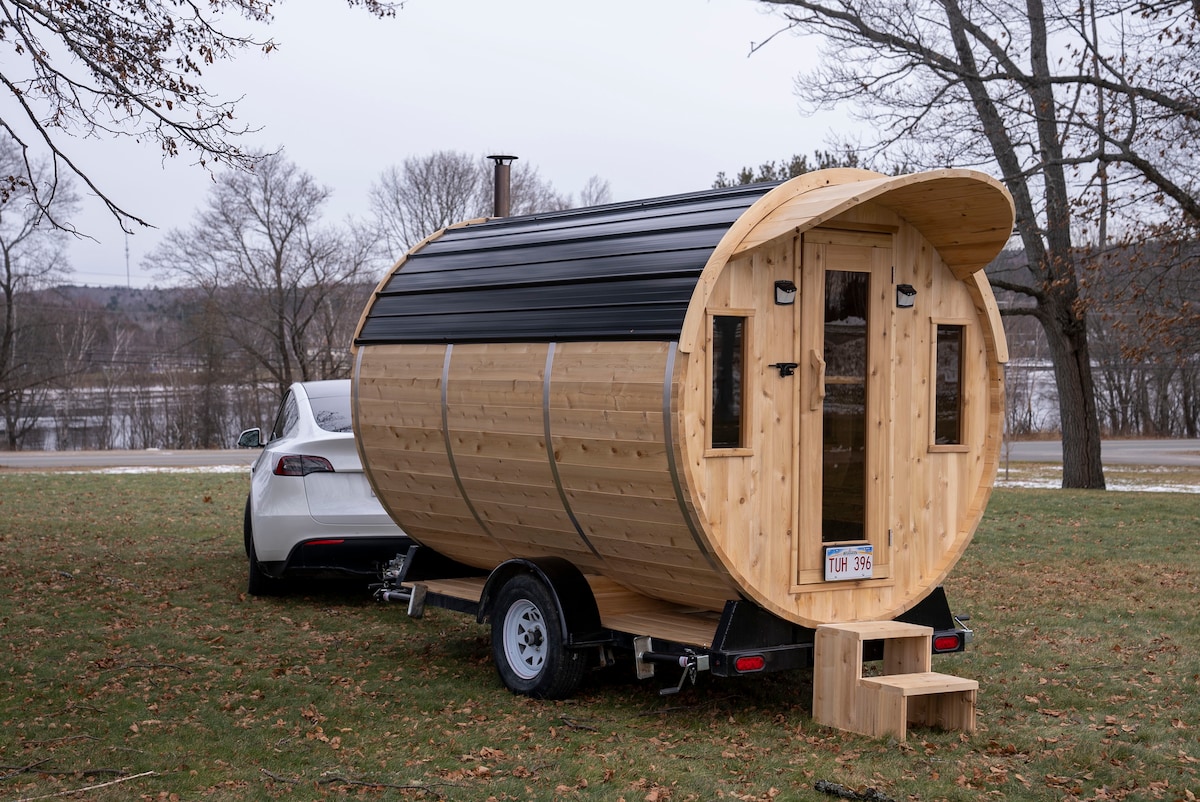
527	642
247	528
257	582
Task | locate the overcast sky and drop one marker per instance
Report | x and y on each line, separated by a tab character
654	96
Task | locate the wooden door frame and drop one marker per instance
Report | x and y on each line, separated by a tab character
813	266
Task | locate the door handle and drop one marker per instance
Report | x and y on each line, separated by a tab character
818	392
785	368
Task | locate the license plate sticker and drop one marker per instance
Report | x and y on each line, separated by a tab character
849	562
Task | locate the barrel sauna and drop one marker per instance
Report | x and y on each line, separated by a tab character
702	397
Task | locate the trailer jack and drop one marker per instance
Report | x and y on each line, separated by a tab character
647	660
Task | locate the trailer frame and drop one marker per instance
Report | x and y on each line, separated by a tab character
745	639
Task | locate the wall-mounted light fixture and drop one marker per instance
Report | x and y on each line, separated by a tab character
785	293
906	296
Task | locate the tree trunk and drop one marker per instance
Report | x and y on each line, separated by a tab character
1068	340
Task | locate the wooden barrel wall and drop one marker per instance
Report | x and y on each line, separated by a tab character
468	472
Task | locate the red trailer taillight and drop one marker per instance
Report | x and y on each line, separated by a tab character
946	643
750	663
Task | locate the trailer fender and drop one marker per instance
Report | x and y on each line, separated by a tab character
566	583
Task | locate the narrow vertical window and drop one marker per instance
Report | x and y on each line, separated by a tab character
947	429
728	352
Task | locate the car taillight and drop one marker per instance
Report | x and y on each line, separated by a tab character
945	643
301	465
749	663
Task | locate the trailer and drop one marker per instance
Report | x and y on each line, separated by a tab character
697	428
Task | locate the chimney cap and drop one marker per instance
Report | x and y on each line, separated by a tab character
501	159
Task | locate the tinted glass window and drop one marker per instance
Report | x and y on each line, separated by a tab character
288	417
727	393
332	413
948	415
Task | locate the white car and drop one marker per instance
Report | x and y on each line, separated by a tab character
311	510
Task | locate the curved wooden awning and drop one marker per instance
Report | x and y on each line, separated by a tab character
967	216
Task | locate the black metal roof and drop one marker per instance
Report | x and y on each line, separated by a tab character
625	271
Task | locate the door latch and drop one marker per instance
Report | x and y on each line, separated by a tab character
785	368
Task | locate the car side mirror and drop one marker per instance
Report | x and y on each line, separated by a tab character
250	438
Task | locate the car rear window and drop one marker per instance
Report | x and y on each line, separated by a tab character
332	413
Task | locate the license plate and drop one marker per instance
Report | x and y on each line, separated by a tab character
849	562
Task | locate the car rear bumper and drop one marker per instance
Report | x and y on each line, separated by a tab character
338	556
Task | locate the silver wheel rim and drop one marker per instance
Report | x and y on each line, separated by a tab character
525	644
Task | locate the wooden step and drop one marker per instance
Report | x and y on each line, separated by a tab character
923	683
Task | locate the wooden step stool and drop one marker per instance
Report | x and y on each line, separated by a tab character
906	693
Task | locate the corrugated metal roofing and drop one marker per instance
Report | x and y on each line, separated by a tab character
617	272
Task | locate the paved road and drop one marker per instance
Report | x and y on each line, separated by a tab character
1175	453
149	458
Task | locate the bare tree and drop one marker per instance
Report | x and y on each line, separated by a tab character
424	195
1085	110
122	68
530	193
596	191
266	264
31	256
953	84
427	193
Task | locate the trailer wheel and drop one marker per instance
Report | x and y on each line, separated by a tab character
527	642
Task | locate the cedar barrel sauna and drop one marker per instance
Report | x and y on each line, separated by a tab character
787	393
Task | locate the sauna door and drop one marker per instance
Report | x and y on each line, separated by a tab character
843	407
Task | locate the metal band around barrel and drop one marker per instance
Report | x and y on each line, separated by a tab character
449	449
562	493
672	465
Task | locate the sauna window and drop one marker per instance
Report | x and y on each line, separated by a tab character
728	387
948	418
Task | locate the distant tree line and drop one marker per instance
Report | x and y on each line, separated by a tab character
152	368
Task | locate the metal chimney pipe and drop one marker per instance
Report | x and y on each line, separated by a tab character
502	193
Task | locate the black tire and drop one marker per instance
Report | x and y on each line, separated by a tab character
257	582
247	528
527	642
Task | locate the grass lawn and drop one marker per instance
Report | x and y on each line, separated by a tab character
133	666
